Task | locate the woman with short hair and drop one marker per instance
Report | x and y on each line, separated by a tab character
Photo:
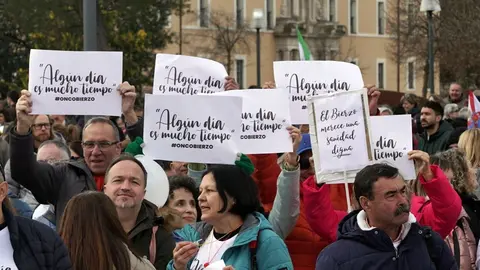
231	229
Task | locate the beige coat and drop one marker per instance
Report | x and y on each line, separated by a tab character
140	264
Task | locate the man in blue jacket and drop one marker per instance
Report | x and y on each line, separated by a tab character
384	234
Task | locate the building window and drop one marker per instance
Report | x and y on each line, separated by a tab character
239	67
294	55
270	14
240	13
280	55
204	13
411	75
332	9
381	75
353	16
292	8
411	12
381	17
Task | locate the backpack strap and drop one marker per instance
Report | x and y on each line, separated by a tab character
153	245
427	235
456	248
253	250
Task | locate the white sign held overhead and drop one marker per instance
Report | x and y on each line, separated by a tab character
75	83
265	118
198	129
341	124
187	75
304	79
391	142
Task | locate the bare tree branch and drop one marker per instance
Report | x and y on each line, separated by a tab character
223	39
456	28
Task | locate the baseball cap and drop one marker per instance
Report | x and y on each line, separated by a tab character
305	144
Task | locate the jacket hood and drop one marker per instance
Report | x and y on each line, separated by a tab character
251	226
349	229
443	128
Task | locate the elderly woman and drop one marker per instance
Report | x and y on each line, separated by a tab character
450	111
231	229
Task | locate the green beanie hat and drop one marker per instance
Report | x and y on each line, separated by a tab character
135	147
244	163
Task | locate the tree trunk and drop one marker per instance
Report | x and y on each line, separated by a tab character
229	63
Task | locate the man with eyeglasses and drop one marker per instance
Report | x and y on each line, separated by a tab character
56	185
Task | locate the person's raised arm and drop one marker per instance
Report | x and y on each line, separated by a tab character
319	211
40	178
286	206
133	124
373	96
443	211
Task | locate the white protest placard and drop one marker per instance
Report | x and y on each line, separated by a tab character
391	142
75	83
304	79
198	129
342	132
265	117
187	75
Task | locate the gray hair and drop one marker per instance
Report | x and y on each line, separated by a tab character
385	108
103	120
464	113
449	108
60	145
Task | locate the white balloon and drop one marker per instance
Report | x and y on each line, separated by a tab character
157	181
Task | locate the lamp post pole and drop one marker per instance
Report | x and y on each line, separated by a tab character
431	58
258	24
258	59
430	6
89	32
89	25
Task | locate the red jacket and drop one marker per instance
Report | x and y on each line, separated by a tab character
303	243
441	212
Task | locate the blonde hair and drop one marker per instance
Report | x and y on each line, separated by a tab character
416	187
463	180
469	143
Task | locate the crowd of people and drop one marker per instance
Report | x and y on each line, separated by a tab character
73	197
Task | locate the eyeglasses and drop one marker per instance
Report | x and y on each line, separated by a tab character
41	125
101	144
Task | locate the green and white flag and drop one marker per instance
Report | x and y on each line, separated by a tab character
303	47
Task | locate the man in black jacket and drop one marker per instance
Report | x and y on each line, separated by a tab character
436	132
27	244
56	185
125	185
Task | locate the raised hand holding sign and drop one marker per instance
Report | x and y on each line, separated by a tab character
23	109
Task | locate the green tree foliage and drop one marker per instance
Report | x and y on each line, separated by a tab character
137	28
